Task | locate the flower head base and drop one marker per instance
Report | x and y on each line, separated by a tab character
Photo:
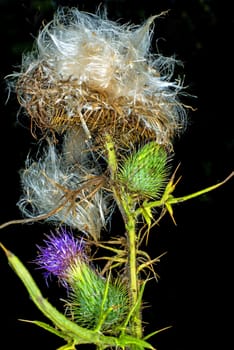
95	300
87	70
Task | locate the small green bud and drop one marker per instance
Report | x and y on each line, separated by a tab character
145	172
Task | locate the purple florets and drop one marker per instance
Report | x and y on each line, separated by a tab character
62	250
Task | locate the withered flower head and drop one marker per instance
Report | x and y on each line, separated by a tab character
64	193
89	71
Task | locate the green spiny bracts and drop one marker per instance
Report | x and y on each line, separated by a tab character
145	172
96	302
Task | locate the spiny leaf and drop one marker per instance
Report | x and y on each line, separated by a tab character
47	327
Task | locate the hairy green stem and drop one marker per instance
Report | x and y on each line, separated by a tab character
126	207
132	260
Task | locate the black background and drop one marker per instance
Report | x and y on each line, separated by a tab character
194	292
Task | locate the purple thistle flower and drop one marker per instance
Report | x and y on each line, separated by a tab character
61	251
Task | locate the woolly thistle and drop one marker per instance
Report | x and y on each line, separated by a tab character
145	172
93	300
67	80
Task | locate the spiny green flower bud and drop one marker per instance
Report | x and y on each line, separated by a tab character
145	172
97	302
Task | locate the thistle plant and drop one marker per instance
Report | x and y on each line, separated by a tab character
105	112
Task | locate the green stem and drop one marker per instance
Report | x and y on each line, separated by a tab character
168	199
174	200
132	260
126	207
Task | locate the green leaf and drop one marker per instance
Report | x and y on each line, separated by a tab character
47	327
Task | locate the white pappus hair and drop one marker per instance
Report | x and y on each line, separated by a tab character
55	190
97	64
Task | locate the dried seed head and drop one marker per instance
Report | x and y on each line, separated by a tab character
64	194
87	70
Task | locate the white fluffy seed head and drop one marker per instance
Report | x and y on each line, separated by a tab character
98	52
84	64
53	189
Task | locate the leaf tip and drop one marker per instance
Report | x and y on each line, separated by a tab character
6	251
